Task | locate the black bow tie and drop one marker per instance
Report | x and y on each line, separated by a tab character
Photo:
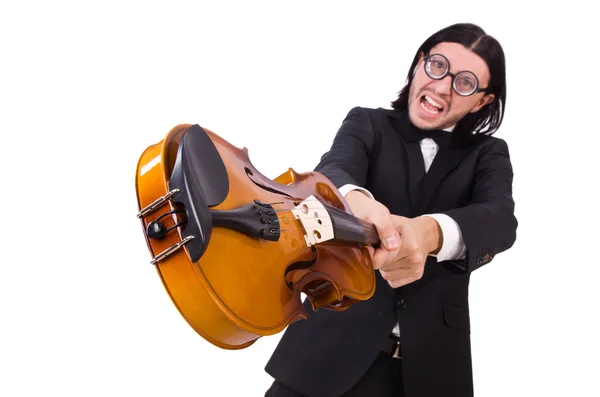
414	134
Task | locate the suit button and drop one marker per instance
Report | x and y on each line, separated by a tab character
402	304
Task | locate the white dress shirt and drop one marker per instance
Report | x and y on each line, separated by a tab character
453	246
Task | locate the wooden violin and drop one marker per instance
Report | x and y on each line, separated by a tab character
235	250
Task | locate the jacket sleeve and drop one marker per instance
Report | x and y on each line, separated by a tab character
488	224
347	160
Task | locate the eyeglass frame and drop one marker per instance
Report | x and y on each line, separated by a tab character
453	75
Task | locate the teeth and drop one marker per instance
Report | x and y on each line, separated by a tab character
434	103
428	110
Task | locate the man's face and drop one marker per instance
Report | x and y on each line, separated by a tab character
433	104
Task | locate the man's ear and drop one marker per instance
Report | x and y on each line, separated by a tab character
420	59
486	100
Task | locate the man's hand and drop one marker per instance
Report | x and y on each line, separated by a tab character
405	242
373	211
419	237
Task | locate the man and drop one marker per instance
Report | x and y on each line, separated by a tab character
438	187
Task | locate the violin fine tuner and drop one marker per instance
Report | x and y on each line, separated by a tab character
157	229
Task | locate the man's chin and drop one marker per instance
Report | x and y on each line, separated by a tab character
426	124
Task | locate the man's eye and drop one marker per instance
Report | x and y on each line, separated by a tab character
466	82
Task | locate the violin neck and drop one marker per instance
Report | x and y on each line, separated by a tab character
349	229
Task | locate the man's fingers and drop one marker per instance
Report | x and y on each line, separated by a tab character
379	215
397	270
399	282
397	264
390	239
381	257
371	251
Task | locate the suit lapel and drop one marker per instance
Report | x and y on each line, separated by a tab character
445	161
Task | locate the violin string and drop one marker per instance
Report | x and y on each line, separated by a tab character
314	199
303	218
298	200
341	227
341	213
349	217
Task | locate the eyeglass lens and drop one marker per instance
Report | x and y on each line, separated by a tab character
437	67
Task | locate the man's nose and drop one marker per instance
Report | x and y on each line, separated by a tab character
444	85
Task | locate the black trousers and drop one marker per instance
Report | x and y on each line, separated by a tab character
383	379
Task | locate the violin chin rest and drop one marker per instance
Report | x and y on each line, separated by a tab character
201	179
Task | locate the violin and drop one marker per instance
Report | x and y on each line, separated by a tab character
235	250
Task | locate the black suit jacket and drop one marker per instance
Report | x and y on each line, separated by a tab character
328	353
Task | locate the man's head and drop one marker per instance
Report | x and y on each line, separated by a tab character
457	78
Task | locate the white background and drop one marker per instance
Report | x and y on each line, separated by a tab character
87	86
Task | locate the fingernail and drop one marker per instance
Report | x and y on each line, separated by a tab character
391	243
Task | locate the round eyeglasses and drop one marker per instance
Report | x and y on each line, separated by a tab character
464	83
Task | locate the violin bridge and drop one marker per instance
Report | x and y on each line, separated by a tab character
315	219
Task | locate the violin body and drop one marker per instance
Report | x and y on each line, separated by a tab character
233	248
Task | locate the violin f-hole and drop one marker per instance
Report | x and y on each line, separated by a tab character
299	266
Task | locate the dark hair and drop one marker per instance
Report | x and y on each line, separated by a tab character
488	119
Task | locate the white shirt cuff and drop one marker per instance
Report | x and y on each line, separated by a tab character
453	246
349	187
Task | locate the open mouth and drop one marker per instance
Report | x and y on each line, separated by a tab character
431	106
